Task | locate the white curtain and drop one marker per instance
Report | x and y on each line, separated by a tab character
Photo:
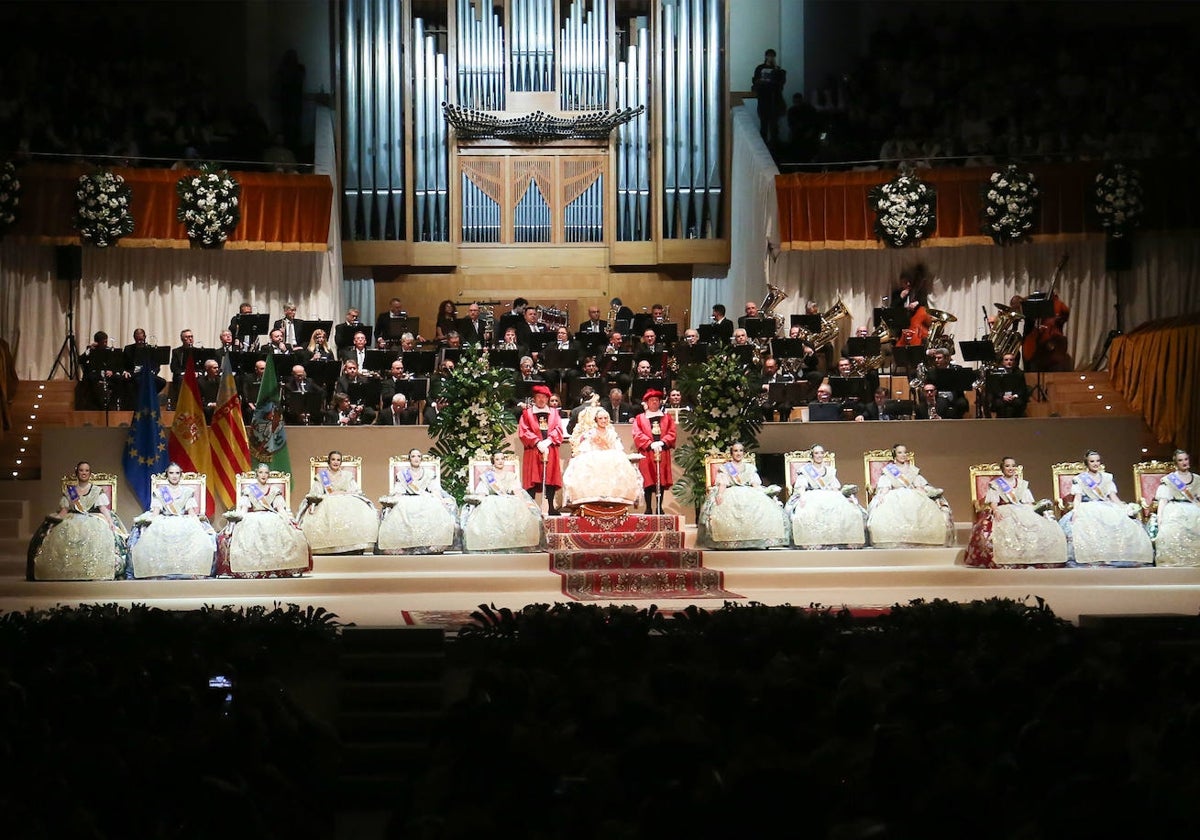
162	291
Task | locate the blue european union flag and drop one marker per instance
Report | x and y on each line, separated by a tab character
146	443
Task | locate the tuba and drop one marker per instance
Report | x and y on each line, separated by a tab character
937	338
774	297
1004	335
874	362
829	326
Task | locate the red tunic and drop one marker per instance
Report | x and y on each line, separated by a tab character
530	431
644	435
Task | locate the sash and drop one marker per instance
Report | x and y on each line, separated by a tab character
1007	490
732	470
1093	486
894	471
490	478
168	500
407	475
326	481
257	494
73	496
1183	489
811	472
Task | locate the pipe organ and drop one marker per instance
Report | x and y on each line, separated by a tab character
628	97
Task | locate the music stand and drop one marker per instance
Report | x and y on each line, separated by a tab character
978	351
788	393
450	354
707	333
667	333
155	355
250	326
760	327
641	386
377	360
1034	311
620	363
809	323
554	358
416	390
419	362
818	411
343	334
574	386
690	354
899	408
306	329
896	318
908	357
851	387
322	371
745	354
395	328
623	326
641	322
304	407
591	340
866	346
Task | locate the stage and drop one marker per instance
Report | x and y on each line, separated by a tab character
388	590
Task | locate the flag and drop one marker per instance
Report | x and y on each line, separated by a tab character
267	432
188	442
146	443
229	448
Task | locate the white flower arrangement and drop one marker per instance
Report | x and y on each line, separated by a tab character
103	208
1117	192
10	195
209	206
1011	205
905	209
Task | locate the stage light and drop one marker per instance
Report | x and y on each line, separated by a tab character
1144	450
22	449
18	462
41	387
1082	377
1108	408
14	473
29	428
1091	387
26	438
1099	396
35	405
32	416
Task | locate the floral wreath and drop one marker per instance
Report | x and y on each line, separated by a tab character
1011	205
476	422
1117	191
102	208
208	205
727	412
905	208
10	195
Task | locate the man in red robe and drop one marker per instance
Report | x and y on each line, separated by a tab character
541	432
654	437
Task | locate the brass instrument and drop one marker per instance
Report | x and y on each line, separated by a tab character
829	326
612	318
774	297
936	340
860	368
1004	335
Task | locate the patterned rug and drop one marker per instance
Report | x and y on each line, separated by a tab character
629	556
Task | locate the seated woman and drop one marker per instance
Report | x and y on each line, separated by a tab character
83	541
822	511
261	539
419	517
1178	540
906	510
1099	529
599	469
1012	530
738	511
171	539
336	517
499	514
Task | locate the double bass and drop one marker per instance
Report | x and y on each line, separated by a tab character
1045	344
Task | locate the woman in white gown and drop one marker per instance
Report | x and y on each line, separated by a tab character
336	517
499	514
419	517
1099	529
83	541
823	512
1178	540
1012	530
907	511
738	512
261	538
599	469
171	539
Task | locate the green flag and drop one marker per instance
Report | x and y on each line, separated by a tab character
267	432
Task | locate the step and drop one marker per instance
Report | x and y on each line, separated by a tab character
625	560
392	665
374	696
413	727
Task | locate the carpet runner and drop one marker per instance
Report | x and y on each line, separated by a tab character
628	556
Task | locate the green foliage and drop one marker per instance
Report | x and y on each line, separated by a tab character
726	413
476	422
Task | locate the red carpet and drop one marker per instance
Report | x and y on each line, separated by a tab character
628	556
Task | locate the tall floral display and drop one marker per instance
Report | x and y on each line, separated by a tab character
905	209
10	196
209	206
1117	193
1011	205
727	412
475	422
103	208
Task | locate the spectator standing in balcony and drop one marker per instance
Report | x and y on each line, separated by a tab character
767	84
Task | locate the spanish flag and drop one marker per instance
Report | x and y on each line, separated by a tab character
228	445
188	442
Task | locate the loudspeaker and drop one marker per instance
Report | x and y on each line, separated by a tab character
68	262
1118	253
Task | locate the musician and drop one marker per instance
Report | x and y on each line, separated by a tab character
383	324
357	385
178	364
244	308
528	326
651	352
615	343
618	410
226	345
824	396
391	380
209	384
318	349
509	342
106	377
934	405
658	314
302	398
691	337
526	372
447	320
398	413
623	312
877	409
559	375
912	296
845	369
540	431
649	345
741	338
453	340
343	333
654	436
289	326
433	409
408	343
645	371
472	328
723	326
276	345
770	376
953	390
1006	389
357	351
249	385
751	314
346	413
593	324
675	401
1045	343
515	315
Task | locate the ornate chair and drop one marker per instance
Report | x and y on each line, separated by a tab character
396	463
282	480
873	463
478	467
713	464
981	476
350	463
795	460
1062	476
1147	475
196	482
105	481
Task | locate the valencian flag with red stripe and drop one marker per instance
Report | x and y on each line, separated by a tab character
188	442
228	445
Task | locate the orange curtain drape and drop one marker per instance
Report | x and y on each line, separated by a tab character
1155	368
831	210
279	212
